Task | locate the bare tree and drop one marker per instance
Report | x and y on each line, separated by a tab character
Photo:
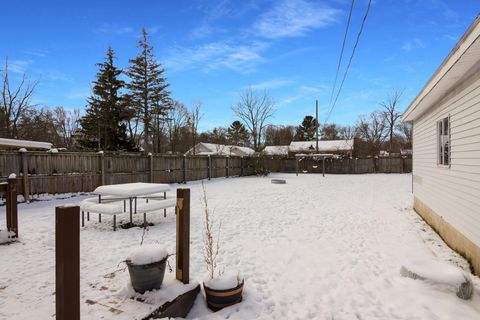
392	115
66	123
372	129
254	110
329	132
14	102
177	119
405	131
277	135
195	115
347	132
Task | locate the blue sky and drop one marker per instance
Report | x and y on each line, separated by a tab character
213	49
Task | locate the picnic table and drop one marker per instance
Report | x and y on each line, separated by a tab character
131	191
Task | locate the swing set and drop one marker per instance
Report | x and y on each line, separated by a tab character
315	157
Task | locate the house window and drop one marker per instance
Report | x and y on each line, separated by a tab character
443	132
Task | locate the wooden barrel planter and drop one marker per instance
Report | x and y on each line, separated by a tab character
219	299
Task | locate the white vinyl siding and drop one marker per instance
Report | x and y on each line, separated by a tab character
452	193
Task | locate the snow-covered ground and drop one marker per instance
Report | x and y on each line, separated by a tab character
314	248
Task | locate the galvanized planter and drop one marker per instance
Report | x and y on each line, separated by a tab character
219	299
146	277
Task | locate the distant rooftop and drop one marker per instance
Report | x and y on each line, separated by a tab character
16	144
323	145
203	149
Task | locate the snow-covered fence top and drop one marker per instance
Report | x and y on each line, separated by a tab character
64	172
312	164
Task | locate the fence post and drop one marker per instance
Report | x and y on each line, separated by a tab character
102	168
67	263
26	191
11	206
241	166
183	235
150	155
227	163
323	166
209	167
296	165
184	169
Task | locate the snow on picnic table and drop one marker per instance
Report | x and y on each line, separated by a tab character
314	248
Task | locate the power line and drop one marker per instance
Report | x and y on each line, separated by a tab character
341	53
350	60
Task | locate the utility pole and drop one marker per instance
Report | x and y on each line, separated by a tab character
316	124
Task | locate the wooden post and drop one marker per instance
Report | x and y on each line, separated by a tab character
296	165
11	207
102	168
227	164
241	166
184	169
209	167
67	263
323	166
26	191
150	155
183	235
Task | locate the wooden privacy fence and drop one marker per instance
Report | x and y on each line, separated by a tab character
336	166
83	172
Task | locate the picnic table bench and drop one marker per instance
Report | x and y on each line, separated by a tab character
110	198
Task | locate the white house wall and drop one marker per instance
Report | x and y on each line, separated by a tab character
452	193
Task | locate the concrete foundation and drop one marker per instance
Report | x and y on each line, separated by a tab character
456	240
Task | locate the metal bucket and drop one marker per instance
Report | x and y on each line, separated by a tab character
146	277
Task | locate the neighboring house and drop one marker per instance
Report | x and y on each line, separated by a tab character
275	151
25	144
338	147
204	149
446	148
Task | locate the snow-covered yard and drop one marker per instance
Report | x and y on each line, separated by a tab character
314	248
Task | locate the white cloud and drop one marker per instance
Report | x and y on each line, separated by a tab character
19	66
291	18
270	84
453	38
153	30
202	31
54	75
78	94
241	58
305	93
413	44
318	89
37	53
114	29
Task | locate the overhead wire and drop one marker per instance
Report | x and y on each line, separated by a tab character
350	61
341	52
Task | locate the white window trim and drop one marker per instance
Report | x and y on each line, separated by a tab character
439	143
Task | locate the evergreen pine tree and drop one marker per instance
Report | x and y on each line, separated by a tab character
238	134
104	125
306	131
148	90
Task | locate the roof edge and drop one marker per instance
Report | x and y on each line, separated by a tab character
442	70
